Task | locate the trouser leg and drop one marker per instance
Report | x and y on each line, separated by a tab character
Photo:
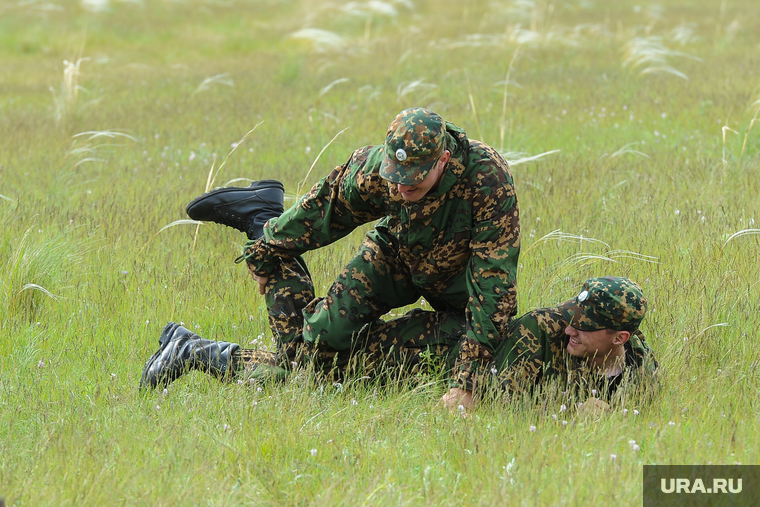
288	291
405	342
408	341
251	358
374	282
346	324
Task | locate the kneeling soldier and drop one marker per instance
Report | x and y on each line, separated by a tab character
448	232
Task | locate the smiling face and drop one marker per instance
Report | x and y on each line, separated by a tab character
604	348
413	193
594	344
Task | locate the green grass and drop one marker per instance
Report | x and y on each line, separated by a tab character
75	430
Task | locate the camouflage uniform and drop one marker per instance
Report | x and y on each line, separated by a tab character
457	247
535	347
400	342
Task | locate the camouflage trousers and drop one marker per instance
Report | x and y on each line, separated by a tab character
348	329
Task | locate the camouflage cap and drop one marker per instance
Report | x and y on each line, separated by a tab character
606	303
415	140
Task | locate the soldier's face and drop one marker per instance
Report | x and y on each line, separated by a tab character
413	193
589	343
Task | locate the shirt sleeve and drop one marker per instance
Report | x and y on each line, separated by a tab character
351	195
491	274
641	359
533	348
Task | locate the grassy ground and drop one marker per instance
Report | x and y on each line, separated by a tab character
652	106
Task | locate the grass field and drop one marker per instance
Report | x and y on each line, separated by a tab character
113	114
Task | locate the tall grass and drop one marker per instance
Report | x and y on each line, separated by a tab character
66	97
35	271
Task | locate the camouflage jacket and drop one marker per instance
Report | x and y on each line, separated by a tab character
460	242
535	349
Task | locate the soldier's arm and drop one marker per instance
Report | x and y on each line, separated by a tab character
352	195
520	357
491	272
528	350
642	366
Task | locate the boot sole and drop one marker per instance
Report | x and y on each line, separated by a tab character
195	210
163	341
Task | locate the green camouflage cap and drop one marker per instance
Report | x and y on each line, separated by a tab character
606	303
415	140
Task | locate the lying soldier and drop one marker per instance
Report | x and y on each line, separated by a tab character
592	341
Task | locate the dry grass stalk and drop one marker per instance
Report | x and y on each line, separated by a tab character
419	85
65	99
472	105
558	235
627	150
303	182
332	85
744	232
652	56
502	124
219	79
323	41
212	174
515	158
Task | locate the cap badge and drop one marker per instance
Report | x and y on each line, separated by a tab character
583	296
400	155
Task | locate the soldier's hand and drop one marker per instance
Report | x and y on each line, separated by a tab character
261	280
457	398
593	407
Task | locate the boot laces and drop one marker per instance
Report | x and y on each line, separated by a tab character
232	220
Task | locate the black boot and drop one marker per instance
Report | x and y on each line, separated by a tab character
180	351
245	209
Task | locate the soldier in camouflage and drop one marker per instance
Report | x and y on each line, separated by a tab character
593	341
448	232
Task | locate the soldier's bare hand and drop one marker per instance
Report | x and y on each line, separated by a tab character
457	400
261	280
593	407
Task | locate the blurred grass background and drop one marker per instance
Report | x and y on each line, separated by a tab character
113	113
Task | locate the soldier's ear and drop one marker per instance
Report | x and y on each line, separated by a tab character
621	337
